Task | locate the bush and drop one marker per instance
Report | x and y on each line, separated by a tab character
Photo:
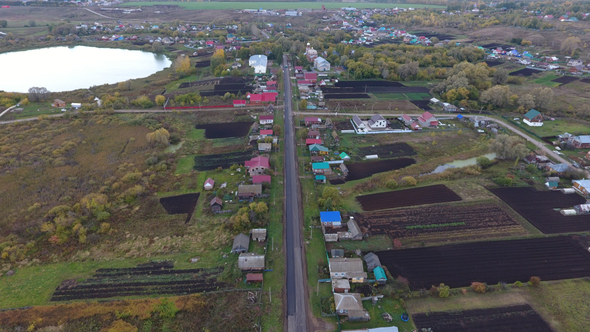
166	309
444	291
479	287
408	181
391	184
160	100
535	281
503	181
483	162
518	284
143	102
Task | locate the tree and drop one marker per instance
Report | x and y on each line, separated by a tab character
32	23
543	97
160	100
37	94
479	287
125	86
527	101
182	66
303	104
159	136
408	181
483	162
498	96
276	129
508	147
143	102
217	59
157	47
444	290
500	76
570	45
434	40
535	281
3	23
391	184
409	69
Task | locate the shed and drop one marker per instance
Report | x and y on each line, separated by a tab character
340	285
209	184
372	261
320	178
258	234
251	262
331	218
249	190
336	253
344	156
265	147
241	243
216	204
254	277
380	275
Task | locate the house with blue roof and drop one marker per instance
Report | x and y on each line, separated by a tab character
331	219
320	178
559	168
380	276
582	186
321	168
579	142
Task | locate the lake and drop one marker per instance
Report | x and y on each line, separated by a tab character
69	68
460	163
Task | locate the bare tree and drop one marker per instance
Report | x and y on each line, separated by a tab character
498	95
570	45
37	94
527	101
500	76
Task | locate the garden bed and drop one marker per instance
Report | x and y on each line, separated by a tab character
223	160
408	197
225	130
181	204
525	72
552	258
363	170
565	79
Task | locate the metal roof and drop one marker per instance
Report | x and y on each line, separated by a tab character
346	265
241	243
251	260
258	60
330	216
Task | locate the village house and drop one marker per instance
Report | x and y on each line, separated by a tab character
353	233
312	120
321	168
312	141
582	186
320	178
209	184
533	118
427	120
317	149
311	76
266	119
241	243
340	285
351	305
58	103
249	191
313	134
266	132
575	62
372	261
377	122
344	156
259	63
558	168
358	122
450	107
347	268
258	234
407	120
580	142
317	159
261	98
239	103
216	204
261	179
321	64
251	262
331	219
257	165
265	147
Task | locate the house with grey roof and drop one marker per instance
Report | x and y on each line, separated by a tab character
372	261
347	268
321	64
358	122
559	168
241	243
251	261
579	142
377	122
258	234
351	305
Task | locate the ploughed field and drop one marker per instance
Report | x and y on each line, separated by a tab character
459	265
225	160
225	130
220	86
525	72
416	196
565	79
363	170
158	278
181	204
518	318
440	223
537	208
388	150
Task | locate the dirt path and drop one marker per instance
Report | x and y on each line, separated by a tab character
7	110
101	15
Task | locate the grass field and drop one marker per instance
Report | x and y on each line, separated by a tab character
274	5
552	128
185	165
546	80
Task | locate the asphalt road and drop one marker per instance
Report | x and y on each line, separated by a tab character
515	130
296	290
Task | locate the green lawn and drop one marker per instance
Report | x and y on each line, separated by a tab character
418	96
196	134
546	80
390	96
276	5
33	110
185	164
552	128
385	305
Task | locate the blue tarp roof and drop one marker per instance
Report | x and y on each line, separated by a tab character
330	216
459	116
320	177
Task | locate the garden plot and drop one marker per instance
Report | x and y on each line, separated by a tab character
150	279
440	223
358	171
518	318
224	160
491	63
181	204
565	80
440	36
537	207
525	72
408	197
346	96
422	104
225	130
459	265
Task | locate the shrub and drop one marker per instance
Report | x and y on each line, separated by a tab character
434	291
408	181
479	287
464	291
160	100
535	281
166	309
143	102
444	291
518	284
483	162
391	184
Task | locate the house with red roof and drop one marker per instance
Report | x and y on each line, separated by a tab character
311	76
257	166
210	43
209	184
427	120
311	120
266	119
407	119
311	141
267	132
261	179
239	103
266	97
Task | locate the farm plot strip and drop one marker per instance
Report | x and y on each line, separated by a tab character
394	150
440	223
537	208
225	130
181	204
358	171
459	265
518	318
565	80
223	160
141	281
525	72
408	197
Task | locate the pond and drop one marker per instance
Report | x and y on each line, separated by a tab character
69	68
461	163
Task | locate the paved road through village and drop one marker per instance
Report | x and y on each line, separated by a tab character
296	289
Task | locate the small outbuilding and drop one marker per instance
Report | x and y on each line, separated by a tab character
258	234
241	243
372	261
216	204
251	262
254	278
209	184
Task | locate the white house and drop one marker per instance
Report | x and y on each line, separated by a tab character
321	64
209	184
533	118
358	122
377	122
258	62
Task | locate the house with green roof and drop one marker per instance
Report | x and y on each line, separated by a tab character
321	168
380	276
344	156
317	149
320	178
533	118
